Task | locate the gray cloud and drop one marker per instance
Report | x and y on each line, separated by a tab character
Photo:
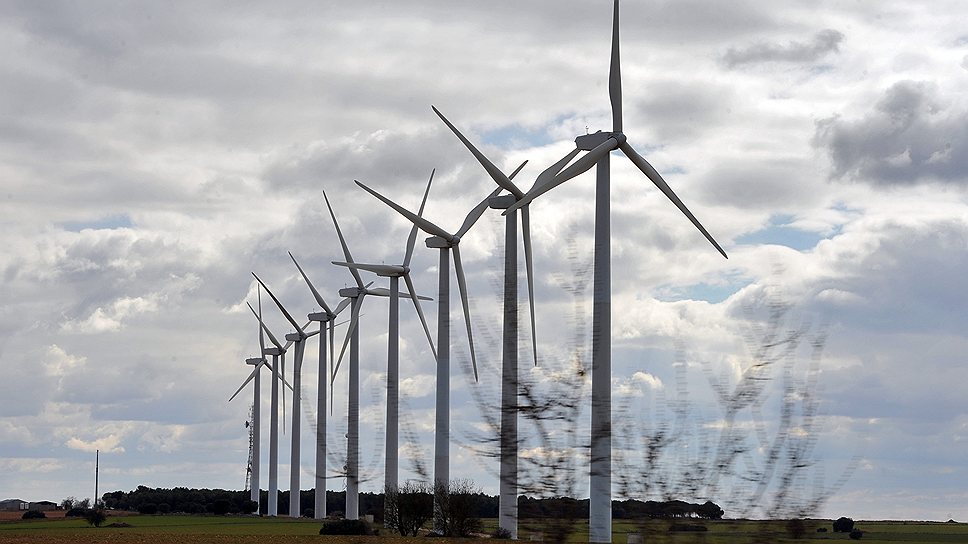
912	135
823	42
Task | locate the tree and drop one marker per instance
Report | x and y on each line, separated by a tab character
221	507
843	525
96	516
409	507
68	503
458	505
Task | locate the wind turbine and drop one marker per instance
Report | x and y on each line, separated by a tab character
394	273
355	295
444	241
297	338
598	146
258	362
277	351
508	491
323	317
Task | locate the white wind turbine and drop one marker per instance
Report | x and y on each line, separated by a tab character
394	273
277	351
356	295
444	241
508	491
599	145
298	339
258	362
323	317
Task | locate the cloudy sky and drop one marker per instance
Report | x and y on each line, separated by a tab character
153	154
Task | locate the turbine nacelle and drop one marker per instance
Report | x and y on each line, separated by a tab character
439	242
588	142
352	292
321	317
254	360
274	351
502	202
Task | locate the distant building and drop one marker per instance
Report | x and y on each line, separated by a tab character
43	506
14	505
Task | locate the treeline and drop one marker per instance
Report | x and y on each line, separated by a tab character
220	501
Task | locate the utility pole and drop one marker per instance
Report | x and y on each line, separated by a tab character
97	468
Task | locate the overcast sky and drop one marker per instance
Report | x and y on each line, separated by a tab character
153	154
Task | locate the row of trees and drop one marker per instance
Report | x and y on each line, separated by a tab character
407	505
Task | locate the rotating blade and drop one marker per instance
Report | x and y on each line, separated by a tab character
552	171
424	225
279	304
462	286
272	337
420	314
615	76
578	167
246	382
312	288
496	174
654	176
342	241
412	239
529	265
380	269
476	213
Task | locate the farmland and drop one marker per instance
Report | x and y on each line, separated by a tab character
177	529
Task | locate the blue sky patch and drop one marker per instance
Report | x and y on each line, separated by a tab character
121	221
780	233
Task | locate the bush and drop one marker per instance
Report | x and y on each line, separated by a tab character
33	514
408	507
346	527
843	525
76	512
821	529
501	533
250	507
458	504
96	516
164	508
856	534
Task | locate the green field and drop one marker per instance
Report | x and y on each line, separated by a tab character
214	529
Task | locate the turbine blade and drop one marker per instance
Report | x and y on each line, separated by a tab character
272	338
282	371
276	300
496	174
375	268
262	339
245	383
654	176
529	265
552	171
312	288
578	167
349	331
342	305
424	225
412	239
476	213
342	241
462	286
615	77
420	314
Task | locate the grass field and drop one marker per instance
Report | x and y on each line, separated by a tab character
223	530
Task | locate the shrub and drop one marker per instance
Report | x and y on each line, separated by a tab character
346	527
95	516
821	529
408	507
250	507
501	533
796	528
457	505
856	534
843	525
76	512
33	514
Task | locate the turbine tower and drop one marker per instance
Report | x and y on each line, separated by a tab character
394	273
297	338
598	146
356	296
277	351
255	427
445	242
325	316
508	490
